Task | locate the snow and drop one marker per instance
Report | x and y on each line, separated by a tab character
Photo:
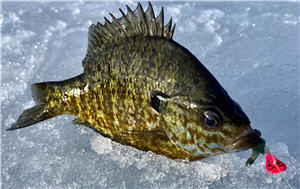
251	48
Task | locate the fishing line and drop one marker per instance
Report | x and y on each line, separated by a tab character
284	178
287	182
271	159
272	165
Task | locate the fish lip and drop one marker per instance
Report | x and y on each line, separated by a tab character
247	139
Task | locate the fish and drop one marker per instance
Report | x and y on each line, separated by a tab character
141	88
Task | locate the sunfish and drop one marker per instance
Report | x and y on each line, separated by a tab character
141	88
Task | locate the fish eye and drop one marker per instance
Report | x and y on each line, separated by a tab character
210	119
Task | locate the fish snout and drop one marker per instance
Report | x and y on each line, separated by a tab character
249	138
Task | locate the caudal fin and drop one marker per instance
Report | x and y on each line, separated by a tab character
37	113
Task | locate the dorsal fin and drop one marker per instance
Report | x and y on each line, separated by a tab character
134	23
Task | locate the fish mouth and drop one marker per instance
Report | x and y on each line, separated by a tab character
247	139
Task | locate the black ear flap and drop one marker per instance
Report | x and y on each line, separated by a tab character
158	101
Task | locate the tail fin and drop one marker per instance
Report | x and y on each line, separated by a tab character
37	113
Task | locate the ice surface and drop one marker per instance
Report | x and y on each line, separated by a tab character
251	48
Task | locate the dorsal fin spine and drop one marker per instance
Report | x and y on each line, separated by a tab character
137	22
168	28
132	21
110	27
127	23
172	31
92	32
150	18
159	20
104	32
139	12
107	25
120	28
112	16
96	31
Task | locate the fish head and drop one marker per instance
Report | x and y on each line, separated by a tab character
207	125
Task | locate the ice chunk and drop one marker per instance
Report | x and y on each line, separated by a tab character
100	144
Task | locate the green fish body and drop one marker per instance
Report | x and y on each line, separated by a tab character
141	88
